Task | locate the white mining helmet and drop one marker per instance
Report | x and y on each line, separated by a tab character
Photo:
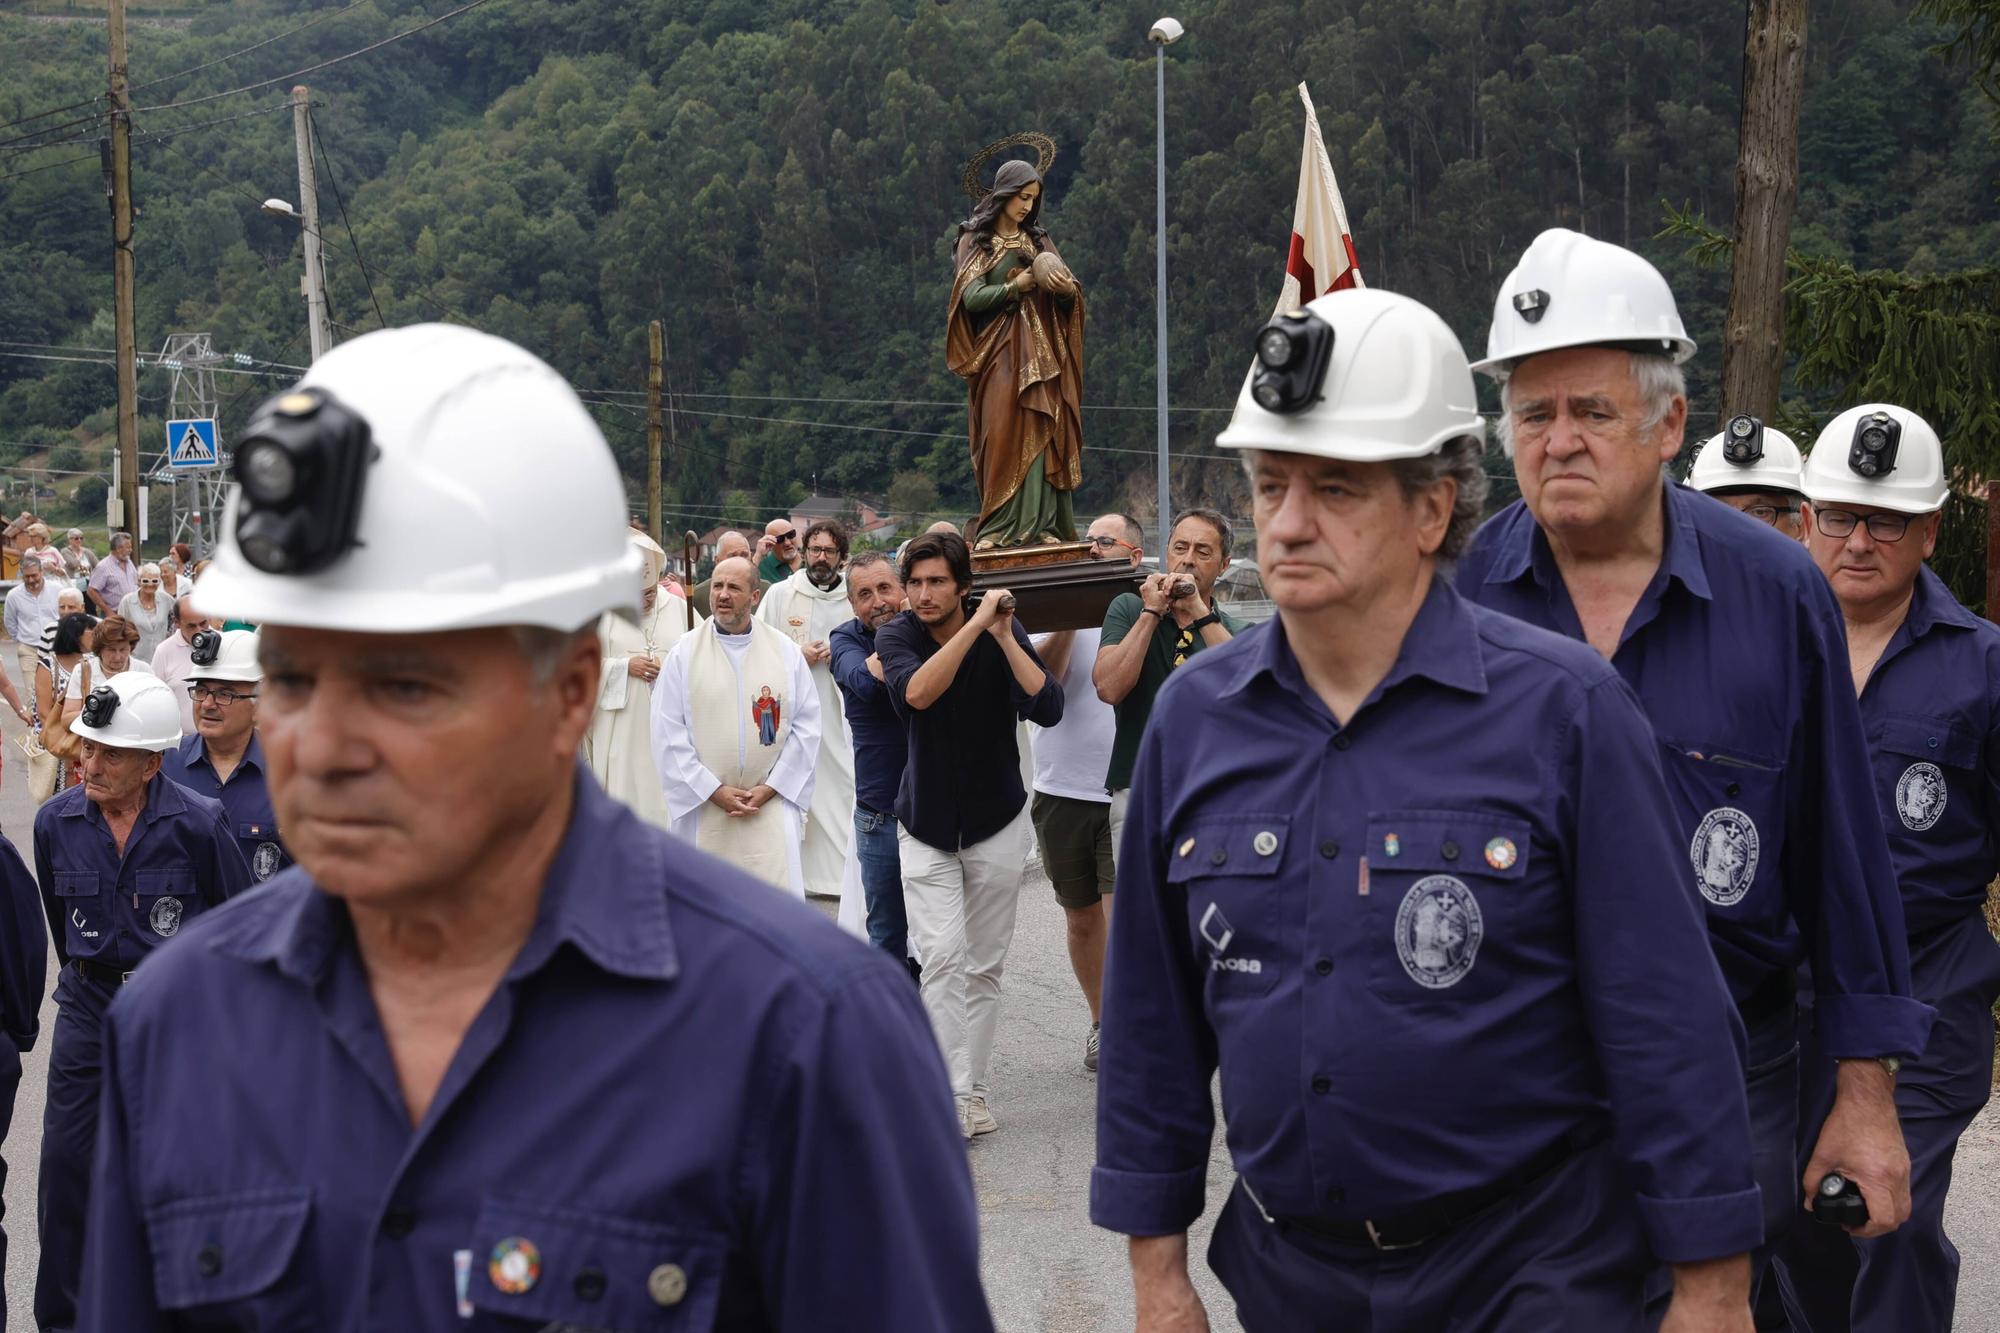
134	710
1362	375
226	655
394	491
1878	454
1748	456
1572	291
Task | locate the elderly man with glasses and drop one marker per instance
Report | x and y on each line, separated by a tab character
222	759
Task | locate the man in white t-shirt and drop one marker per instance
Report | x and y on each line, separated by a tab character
1072	808
173	660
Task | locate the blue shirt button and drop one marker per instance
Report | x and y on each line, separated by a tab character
1341	742
1322	1085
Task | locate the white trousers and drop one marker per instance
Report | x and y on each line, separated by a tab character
961	909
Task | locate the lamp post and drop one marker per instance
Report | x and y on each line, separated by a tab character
1163	34
321	334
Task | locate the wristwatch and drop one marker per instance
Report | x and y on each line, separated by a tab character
1891	1064
1212	618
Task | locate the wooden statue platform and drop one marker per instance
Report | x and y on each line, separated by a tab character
1062	585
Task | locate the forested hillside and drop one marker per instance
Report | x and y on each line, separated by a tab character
778	182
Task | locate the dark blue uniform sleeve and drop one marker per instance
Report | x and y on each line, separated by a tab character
1653	996
1850	908
117	1289
850	666
229	874
865	1215
24	950
1155	1121
52	909
1044	708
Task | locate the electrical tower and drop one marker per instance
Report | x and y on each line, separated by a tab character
197	495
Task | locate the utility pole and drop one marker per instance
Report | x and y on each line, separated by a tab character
656	346
315	283
1767	192
126	331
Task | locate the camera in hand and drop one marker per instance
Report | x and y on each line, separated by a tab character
1838	1202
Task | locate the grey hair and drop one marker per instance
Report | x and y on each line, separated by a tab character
1133	532
546	648
28	560
1463	460
1658	379
861	560
118	537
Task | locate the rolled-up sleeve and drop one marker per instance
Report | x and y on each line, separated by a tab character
1044	707
1155	1122
1667	1035
1850	909
896	647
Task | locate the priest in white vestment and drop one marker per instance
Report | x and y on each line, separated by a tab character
736	724
619	747
806	608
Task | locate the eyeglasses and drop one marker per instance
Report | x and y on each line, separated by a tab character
1769	513
1106	543
1883	528
202	694
833	551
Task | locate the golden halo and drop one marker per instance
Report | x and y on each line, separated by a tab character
1045	150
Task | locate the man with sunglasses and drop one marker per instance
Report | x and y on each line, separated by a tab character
780	551
1927	673
223	759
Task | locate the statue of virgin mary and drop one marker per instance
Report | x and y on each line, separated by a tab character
1015	335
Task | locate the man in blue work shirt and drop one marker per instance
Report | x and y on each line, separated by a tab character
24	966
1733	644
495	1054
223	760
880	747
124	861
1398	866
1928	675
962	675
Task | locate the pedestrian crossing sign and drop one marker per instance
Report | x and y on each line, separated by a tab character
192	443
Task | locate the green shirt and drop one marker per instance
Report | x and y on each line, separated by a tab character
773	570
1163	654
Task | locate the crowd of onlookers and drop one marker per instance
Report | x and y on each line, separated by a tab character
76	619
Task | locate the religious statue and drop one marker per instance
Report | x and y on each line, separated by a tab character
1015	335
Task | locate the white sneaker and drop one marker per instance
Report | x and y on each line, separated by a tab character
965	1119
979	1117
1090	1050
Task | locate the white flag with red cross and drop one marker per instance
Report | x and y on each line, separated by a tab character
1321	257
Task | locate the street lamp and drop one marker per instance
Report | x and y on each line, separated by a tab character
314	285
1163	34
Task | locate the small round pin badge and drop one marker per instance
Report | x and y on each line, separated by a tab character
1501	853
515	1266
1265	843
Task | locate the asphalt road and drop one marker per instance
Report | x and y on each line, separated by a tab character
1047	1269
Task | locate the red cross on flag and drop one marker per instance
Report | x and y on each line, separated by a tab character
1321	258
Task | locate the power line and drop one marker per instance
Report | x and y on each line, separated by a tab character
51	166
313	124
324	64
52	129
219	60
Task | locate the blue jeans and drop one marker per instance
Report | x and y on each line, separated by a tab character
882	882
